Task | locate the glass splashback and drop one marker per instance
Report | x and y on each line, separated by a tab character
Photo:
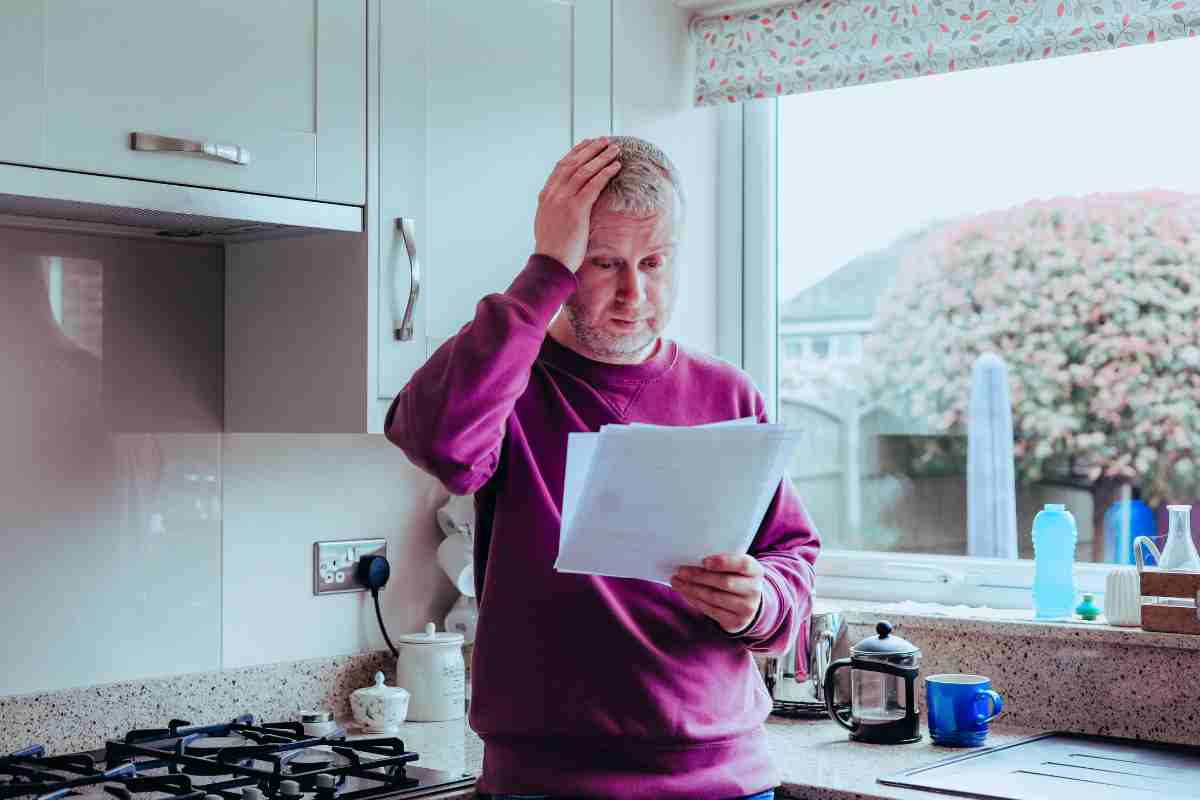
111	384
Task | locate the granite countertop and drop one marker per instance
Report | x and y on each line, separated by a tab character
815	758
450	745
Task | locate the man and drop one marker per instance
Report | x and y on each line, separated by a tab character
587	686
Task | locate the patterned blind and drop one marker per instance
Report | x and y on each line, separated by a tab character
824	44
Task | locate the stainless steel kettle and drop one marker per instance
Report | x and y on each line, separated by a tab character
796	679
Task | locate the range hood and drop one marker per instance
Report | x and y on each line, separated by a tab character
41	197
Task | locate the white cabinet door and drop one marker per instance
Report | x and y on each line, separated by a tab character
283	79
476	101
22	92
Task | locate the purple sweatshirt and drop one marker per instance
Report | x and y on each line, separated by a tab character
586	685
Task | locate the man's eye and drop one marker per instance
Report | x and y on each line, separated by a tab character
602	264
652	263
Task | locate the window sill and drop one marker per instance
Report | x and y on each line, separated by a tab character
999	622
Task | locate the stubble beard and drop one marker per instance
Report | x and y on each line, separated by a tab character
605	345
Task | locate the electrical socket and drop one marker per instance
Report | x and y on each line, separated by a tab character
335	564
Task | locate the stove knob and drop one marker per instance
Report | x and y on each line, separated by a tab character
289	789
213	797
326	782
252	793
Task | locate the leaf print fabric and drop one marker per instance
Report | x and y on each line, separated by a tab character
825	44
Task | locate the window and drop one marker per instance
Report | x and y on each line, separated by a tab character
1046	212
75	287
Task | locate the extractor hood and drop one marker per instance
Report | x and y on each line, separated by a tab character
38	196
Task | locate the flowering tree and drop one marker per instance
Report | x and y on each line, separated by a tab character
1092	302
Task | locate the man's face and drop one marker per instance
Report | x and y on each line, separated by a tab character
626	285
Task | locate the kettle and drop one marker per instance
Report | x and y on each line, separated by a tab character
796	679
883	677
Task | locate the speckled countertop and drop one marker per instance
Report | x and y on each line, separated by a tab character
1080	677
815	758
451	746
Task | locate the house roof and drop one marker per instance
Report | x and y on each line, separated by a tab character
852	291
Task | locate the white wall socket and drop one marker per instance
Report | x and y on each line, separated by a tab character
335	564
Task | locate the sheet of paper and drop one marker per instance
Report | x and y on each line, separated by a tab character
639	500
580	449
722	424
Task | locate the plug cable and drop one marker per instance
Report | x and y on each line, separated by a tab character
373	572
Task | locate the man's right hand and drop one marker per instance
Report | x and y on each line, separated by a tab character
561	227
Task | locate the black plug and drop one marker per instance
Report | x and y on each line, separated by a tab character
373	572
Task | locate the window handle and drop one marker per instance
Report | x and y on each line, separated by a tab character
234	153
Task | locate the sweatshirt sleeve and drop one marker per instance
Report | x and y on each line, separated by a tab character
450	418
786	546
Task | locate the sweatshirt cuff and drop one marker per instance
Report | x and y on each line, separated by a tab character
543	286
768	610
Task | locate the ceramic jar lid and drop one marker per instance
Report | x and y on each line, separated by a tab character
431	636
380	690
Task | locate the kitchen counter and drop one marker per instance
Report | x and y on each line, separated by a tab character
450	745
815	758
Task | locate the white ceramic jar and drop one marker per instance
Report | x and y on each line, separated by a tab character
431	667
1123	597
380	708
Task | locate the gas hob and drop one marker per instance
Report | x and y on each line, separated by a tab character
238	760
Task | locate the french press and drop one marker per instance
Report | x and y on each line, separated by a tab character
883	676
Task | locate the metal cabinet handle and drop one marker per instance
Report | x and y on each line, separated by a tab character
226	152
404	331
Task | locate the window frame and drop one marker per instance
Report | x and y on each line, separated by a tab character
748	336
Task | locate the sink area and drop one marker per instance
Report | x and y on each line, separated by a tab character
1063	765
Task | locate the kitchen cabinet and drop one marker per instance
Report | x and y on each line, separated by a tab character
470	104
285	80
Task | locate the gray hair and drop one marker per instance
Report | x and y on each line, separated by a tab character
644	183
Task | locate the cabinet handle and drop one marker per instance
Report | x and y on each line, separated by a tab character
404	331
226	152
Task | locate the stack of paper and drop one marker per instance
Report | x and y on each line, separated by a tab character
640	500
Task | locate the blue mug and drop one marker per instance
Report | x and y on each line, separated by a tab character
959	708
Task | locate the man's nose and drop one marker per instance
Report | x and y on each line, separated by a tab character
631	289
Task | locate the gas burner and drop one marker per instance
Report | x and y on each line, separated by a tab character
303	766
211	745
236	760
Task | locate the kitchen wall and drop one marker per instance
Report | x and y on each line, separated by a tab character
282	492
143	540
110	458
652	98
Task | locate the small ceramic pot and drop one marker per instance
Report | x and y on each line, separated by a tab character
380	708
1123	597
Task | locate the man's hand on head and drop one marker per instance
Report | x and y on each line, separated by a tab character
560	229
727	589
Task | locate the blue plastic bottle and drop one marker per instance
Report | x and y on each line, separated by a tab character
1118	542
1054	555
